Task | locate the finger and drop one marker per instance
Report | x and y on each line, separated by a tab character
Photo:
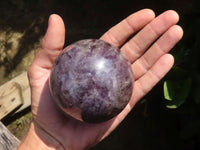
166	42
136	46
118	34
52	42
144	84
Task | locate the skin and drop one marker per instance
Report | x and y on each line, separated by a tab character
147	52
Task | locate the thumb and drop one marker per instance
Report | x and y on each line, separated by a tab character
51	46
52	43
55	35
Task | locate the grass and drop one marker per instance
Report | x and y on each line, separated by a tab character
20	126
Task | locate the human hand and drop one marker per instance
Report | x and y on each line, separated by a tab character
148	53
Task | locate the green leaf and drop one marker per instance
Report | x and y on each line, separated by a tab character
175	104
172	106
176	92
168	93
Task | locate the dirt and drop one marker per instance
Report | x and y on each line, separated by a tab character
20	34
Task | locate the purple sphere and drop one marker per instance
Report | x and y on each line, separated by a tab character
91	81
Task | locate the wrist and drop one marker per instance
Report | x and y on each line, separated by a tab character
38	138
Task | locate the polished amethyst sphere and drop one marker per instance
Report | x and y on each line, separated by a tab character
91	81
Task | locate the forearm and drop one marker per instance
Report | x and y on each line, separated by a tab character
39	139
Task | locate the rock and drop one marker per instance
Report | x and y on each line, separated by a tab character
91	80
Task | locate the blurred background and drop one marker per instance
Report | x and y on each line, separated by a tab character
167	118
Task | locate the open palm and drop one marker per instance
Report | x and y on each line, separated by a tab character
147	51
